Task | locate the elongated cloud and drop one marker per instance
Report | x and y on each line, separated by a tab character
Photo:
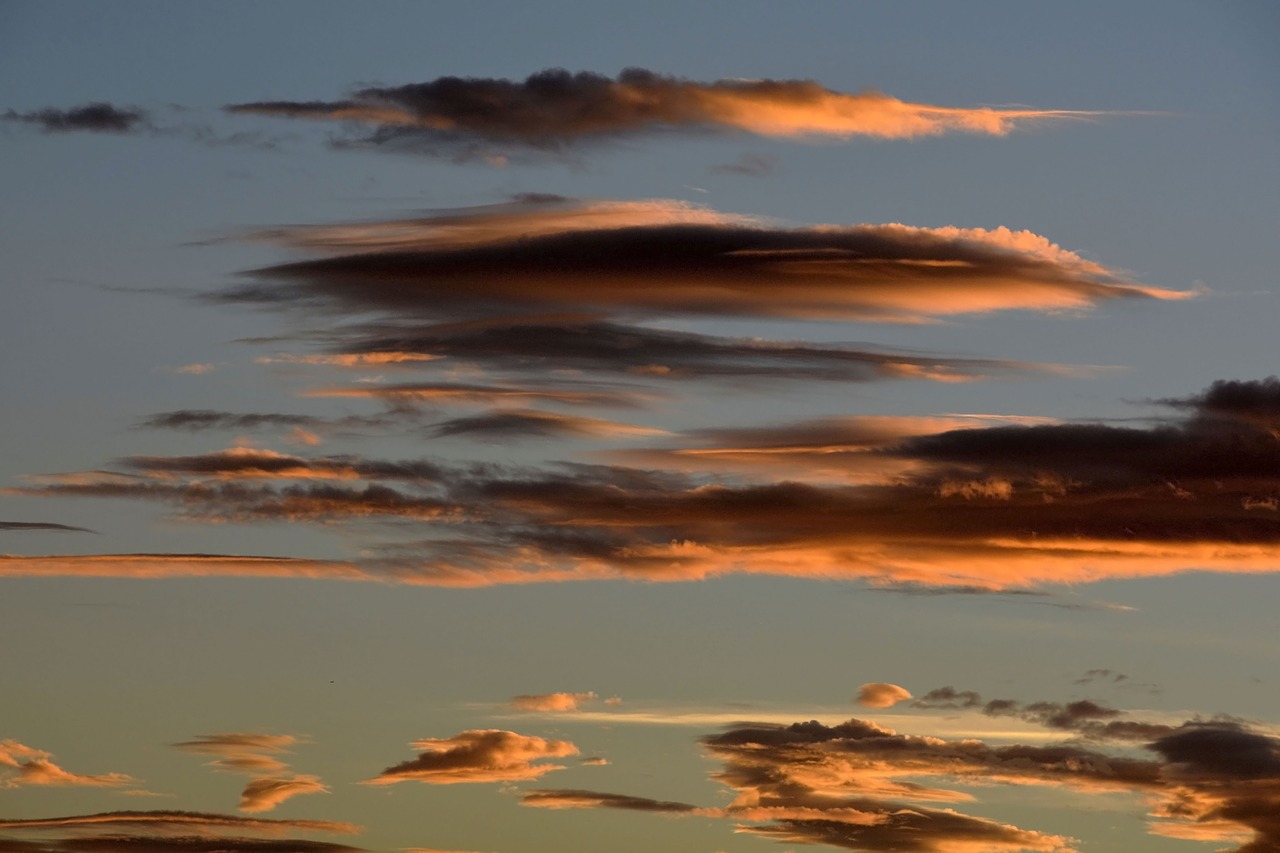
477	755
554	107
167	831
265	793
19	526
512	424
614	350
552	701
22	765
459	270
98	117
178	822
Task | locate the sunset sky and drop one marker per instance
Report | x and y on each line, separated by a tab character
720	427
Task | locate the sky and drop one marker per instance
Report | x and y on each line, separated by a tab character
720	427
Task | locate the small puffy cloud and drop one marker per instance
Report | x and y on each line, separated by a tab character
878	694
478	755
552	701
22	765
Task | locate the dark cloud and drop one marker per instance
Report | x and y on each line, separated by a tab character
579	799
175	822
42	525
987	508
202	419
865	272
513	424
750	165
173	844
641	352
99	117
553	108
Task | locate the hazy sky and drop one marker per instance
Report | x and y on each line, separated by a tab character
713	427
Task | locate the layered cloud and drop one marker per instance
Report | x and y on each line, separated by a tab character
541	259
996	507
478	755
554	107
256	755
21	526
167	831
22	765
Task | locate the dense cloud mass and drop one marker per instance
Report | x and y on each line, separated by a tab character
579	258
989	508
554	107
860	786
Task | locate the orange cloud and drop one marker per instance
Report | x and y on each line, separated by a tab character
552	701
876	272
265	793
878	694
477	755
554	107
254	754
30	766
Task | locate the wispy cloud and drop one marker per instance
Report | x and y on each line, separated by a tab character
22	765
47	526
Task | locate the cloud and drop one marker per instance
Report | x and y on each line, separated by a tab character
613	350
22	765
202	419
514	424
167	831
265	793
23	526
98	117
255	755
553	108
751	165
477	755
878	694
541	260
177	565
576	799
1009	506
457	393
552	701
